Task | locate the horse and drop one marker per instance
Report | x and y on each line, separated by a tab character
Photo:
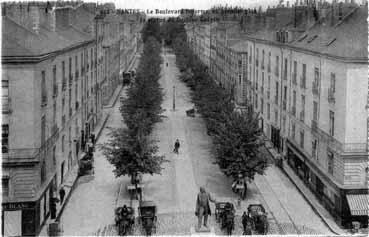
247	224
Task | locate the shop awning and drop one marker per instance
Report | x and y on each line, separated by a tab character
358	203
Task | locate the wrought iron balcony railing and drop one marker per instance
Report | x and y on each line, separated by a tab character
314	125
302	116
331	97
315	88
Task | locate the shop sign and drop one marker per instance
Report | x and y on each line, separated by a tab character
18	205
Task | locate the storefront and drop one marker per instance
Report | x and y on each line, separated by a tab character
344	205
275	138
26	218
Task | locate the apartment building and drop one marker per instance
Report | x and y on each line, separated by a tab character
57	72
306	74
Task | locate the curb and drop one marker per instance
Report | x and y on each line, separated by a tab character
306	198
102	126
66	199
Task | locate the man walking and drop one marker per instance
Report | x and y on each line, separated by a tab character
176	146
61	194
203	207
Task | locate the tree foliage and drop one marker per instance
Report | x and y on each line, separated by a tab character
236	135
130	149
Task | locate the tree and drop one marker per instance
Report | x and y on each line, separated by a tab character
131	154
237	136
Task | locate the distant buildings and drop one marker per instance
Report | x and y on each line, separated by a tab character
304	69
60	65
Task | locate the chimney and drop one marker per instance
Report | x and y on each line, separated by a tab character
35	18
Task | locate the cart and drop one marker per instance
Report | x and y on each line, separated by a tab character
147	216
124	221
259	218
86	164
190	112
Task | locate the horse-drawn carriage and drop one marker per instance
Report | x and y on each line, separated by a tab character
147	216
255	219
127	76
85	164
190	112
225	213
124	220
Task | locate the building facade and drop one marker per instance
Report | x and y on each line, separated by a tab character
56	75
302	70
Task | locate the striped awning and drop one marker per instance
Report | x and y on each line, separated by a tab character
359	204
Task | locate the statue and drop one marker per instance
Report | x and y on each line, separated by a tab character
203	207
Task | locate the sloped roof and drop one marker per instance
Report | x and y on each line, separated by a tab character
347	39
19	41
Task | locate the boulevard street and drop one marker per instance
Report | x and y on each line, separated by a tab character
91	207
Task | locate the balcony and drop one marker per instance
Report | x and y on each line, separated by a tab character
314	125
284	105
6	108
76	75
315	88
331	98
70	79
293	110
303	82
294	79
302	116
43	100
55	91
355	147
64	84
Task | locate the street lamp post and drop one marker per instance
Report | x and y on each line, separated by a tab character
174	98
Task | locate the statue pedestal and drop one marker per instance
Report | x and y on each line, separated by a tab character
202	231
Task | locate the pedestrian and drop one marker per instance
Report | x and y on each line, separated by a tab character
61	194
90	147
53	202
176	146
167	64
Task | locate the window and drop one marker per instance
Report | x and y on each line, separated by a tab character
262	105
314	149
330	162
268	111
277	66
276	116
303	78
239	63
54	156
256	101
43	172
293	131
285	93
333	82
276	93
239	79
54	112
55	88
284	124
257	57
43	89
302	138
285	68
262	59
62	145
43	135
250	58
70	66
315	111
5	186
331	123
294	99
316	76
269	56
302	102
82	64
294	74
5	138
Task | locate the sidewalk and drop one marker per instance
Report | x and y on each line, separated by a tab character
71	180
307	194
114	97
